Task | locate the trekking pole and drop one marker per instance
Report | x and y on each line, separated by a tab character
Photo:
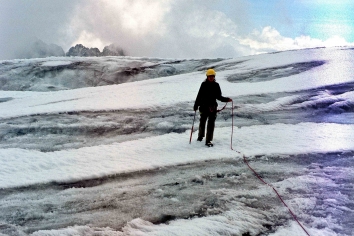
190	139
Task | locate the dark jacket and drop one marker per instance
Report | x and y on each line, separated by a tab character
207	95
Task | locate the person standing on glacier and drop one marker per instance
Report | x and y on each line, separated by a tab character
209	91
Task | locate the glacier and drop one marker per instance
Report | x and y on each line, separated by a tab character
100	146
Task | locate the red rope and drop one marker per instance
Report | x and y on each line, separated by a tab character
281	199
232	115
244	159
222	107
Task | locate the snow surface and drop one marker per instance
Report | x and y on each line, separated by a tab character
25	167
56	63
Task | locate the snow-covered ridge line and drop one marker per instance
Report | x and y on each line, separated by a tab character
63	73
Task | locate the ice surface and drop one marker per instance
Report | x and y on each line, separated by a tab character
293	114
168	150
56	63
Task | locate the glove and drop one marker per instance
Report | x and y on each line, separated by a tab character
195	107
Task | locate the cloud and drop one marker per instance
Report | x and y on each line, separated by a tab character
178	29
22	22
269	39
131	24
196	31
155	28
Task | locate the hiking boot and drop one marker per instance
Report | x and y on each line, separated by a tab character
209	144
200	139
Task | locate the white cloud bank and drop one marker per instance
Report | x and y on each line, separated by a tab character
269	39
169	29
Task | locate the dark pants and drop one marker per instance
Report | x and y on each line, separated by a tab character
211	117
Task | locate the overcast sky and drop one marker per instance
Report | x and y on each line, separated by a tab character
177	28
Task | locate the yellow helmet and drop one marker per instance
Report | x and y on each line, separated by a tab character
210	72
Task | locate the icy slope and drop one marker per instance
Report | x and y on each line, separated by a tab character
293	119
168	91
25	167
152	95
53	74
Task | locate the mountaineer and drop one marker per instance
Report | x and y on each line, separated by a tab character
206	101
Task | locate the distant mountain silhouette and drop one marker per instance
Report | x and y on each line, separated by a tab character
81	51
40	49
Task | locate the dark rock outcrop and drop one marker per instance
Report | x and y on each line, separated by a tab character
112	50
81	51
